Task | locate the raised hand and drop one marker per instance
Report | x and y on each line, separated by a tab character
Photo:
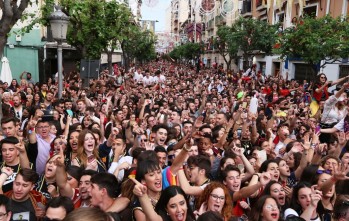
315	196
340	173
52	190
341	138
149	146
198	122
60	158
20	147
139	189
238	151
32	122
264	178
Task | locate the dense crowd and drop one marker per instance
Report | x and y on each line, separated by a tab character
166	141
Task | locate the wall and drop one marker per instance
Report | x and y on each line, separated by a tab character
23	55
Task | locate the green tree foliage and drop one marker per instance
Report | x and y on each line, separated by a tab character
314	40
95	26
139	45
187	51
254	36
227	44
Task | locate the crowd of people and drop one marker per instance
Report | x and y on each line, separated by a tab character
166	141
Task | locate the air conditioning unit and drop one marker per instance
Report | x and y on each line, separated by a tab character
18	38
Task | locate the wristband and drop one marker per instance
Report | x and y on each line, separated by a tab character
6	174
186	148
256	175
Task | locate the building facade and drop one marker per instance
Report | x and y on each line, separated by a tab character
212	14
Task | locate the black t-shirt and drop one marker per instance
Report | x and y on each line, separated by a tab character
22	210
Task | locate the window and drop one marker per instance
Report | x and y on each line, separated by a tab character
304	71
311	11
280	18
343	70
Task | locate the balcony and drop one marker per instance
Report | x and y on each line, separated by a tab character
246	8
259	5
220	20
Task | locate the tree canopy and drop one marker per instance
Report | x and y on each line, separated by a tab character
94	25
314	40
186	51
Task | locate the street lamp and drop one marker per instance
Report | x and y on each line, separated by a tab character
59	25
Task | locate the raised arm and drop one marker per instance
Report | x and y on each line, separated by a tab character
23	157
249	190
31	130
61	177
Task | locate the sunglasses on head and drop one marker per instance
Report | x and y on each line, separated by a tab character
323	171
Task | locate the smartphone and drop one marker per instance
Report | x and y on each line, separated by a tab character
90	158
238	131
262	154
317	129
244	104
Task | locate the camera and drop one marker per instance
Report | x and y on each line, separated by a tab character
48	115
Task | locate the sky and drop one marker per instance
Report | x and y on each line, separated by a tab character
158	12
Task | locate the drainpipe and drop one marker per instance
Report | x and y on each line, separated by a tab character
328	7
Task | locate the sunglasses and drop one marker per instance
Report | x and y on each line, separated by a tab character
323	171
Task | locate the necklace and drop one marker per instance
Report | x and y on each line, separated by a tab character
154	201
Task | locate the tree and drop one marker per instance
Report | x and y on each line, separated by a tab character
187	51
12	11
139	45
254	36
315	40
94	25
227	44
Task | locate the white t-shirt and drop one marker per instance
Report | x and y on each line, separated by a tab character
148	80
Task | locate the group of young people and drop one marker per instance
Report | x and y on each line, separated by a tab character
163	141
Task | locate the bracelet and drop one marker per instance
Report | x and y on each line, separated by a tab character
6	174
186	148
256	175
